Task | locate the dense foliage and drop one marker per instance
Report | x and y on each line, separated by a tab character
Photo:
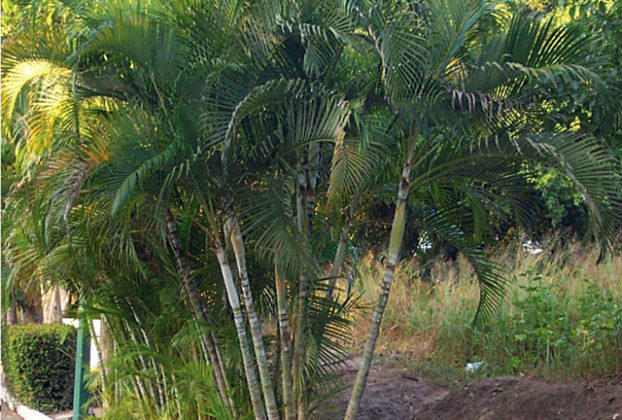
203	173
39	362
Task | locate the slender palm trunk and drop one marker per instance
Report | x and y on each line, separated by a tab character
339	256
143	363
237	242
138	380
247	358
113	346
100	354
159	374
198	311
341	251
176	394
313	177
145	368
106	344
303	294
286	347
11	314
300	349
126	334
222	364
395	243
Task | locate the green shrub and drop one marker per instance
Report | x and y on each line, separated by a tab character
39	364
549	328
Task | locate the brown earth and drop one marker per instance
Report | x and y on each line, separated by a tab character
395	394
528	399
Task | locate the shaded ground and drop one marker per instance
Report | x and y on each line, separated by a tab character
397	394
390	394
529	399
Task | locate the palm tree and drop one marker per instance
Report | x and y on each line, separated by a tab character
65	92
148	101
279	111
432	64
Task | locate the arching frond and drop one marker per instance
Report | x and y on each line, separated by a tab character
590	166
489	274
269	220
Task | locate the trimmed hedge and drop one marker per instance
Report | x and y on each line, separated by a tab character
38	362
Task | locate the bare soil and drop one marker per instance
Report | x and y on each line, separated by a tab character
397	394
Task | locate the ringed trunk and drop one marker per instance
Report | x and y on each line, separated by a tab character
286	349
247	358
341	251
198	310
303	292
395	243
253	319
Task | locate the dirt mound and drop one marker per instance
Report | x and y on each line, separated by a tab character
394	394
528	399
390	394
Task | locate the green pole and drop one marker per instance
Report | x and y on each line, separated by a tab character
83	351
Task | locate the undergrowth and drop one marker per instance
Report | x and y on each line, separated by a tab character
561	317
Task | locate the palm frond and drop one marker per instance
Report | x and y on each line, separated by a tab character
590	166
489	274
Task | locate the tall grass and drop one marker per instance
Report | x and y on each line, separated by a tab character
562	316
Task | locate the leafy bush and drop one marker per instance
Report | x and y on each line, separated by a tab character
39	364
564	205
550	328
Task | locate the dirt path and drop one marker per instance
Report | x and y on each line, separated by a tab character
395	394
390	394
